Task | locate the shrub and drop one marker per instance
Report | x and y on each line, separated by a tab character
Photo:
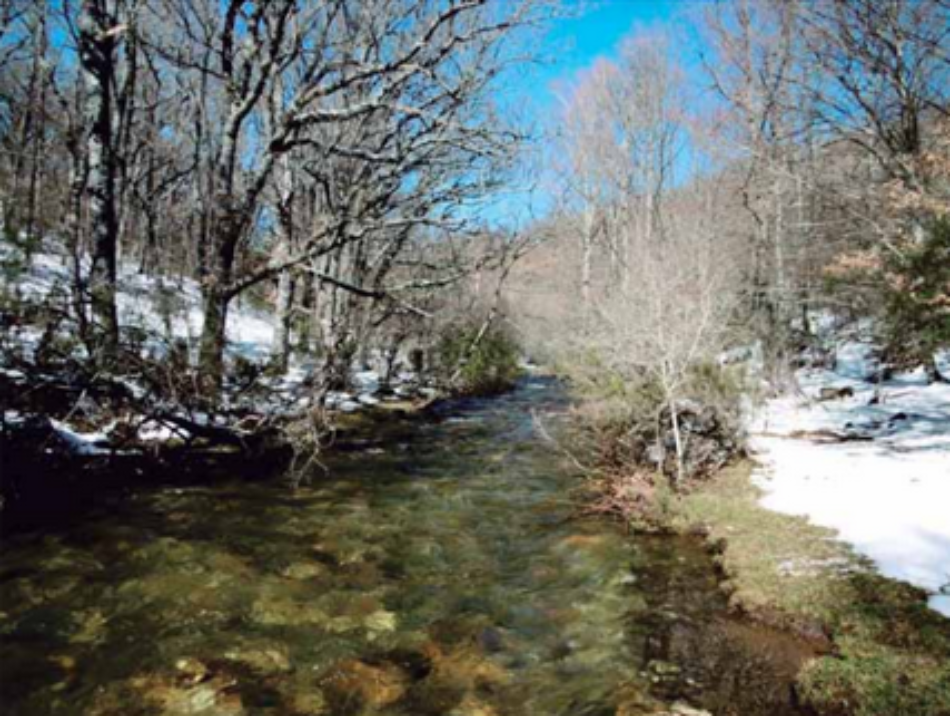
629	435
917	308
473	361
907	289
720	387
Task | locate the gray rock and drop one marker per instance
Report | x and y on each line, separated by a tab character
835	393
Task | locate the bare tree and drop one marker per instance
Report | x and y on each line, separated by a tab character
879	70
623	134
405	83
100	33
677	314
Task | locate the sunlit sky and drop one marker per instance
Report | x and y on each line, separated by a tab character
589	30
594	29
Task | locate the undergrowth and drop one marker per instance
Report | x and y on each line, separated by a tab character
624	429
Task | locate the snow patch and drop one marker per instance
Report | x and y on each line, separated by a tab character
166	311
164	307
882	480
82	443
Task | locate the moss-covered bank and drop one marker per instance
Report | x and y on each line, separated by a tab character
885	652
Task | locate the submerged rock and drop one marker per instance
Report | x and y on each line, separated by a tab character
381	621
353	684
265	660
638	707
465	667
227	566
166	552
310	703
685	710
454	677
207	699
342	625
191	670
491	640
285	612
663	669
92	627
472	706
303	571
361	575
170	696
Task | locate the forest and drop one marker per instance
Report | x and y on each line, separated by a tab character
584	313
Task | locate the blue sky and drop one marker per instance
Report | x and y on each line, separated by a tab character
576	42
592	29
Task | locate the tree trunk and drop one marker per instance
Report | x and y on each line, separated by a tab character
587	254
933	372
285	302
73	226
38	92
228	221
213	337
285	285
678	439
98	46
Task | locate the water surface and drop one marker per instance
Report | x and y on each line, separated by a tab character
439	569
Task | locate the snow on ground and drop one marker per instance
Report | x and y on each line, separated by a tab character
163	306
886	487
167	309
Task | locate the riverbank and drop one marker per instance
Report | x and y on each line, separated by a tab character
52	477
884	651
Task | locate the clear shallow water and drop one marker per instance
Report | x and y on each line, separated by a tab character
438	571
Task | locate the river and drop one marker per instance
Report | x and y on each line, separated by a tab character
438	568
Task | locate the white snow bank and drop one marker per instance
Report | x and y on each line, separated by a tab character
162	305
169	308
887	489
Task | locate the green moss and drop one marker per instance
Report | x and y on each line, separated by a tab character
871	680
890	655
